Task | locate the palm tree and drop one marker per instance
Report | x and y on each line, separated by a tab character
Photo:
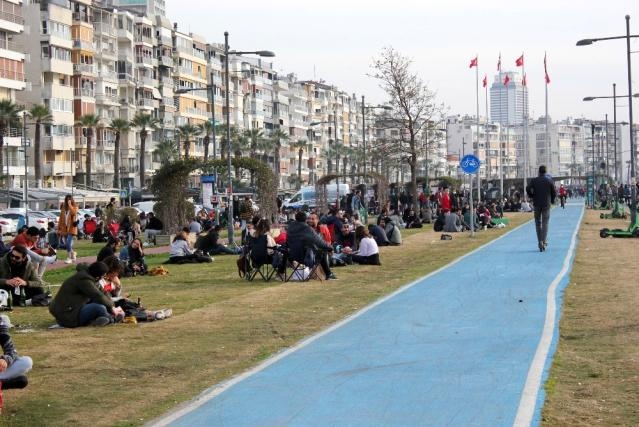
186	133
224	145
329	154
300	145
166	150
277	137
41	114
8	118
255	137
146	123
119	126
89	122
206	129
266	146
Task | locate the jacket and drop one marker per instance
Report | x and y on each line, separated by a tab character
30	275
542	191
301	236
67	223
75	292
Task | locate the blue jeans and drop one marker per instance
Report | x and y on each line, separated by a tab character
92	311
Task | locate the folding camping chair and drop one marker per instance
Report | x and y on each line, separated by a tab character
258	261
303	268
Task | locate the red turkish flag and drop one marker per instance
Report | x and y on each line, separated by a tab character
546	70
520	61
485	81
473	62
506	80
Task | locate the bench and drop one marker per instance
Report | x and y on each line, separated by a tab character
163	239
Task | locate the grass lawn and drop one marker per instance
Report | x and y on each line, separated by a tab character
594	378
222	325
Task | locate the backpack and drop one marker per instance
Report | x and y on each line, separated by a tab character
446	237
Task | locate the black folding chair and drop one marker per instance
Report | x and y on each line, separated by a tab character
298	266
258	261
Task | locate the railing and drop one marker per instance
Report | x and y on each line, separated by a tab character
106	97
81	141
168	101
83	92
167	80
125	101
106	51
128	53
145	60
9	45
83	44
143	39
83	68
185	70
13	133
104	28
145	102
11	17
107	74
12	75
147	81
198	54
126	77
196	112
81	16
166	60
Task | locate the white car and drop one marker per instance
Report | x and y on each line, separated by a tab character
9	225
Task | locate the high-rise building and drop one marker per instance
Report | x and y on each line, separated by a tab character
12	79
508	99
150	8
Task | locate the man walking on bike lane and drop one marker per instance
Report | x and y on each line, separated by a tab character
542	191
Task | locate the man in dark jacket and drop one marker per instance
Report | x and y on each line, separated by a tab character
300	237
17	274
378	234
79	302
542	191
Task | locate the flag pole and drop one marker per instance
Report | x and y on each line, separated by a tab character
501	119
549	152
488	163
525	124
477	135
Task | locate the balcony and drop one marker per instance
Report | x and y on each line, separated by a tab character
139	38
146	60
105	143
56	168
12	75
125	78
81	141
125	54
16	19
79	92
166	80
81	16
104	28
147	81
9	45
84	69
166	61
198	54
196	112
145	102
127	101
84	45
106	52
104	98
108	75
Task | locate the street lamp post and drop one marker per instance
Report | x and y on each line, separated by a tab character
334	123
26	183
364	108
227	52
633	150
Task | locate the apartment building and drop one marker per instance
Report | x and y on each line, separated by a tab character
12	80
50	75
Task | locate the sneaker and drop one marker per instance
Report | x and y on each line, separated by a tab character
101	321
119	318
50	259
68	261
168	312
159	315
20	381
331	277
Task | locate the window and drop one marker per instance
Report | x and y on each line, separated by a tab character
44	27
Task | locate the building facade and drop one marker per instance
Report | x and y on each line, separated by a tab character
508	99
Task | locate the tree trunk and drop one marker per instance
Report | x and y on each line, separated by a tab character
87	172
116	162
3	168
142	157
207	139
187	146
299	167
413	182
276	161
37	162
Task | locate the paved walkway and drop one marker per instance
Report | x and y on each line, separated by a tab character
90	259
467	345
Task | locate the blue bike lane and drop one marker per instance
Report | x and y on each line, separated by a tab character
469	344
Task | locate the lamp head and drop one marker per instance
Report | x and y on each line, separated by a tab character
180	91
314	123
585	42
589	98
265	53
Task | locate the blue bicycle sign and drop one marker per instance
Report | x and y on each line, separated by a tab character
469	164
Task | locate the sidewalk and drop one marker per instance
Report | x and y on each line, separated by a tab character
469	344
90	259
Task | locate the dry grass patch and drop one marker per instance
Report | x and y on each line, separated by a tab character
128	374
594	379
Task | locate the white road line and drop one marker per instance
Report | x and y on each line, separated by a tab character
526	409
210	393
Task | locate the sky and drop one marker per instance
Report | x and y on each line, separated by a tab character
337	40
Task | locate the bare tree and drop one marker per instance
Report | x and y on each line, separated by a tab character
413	106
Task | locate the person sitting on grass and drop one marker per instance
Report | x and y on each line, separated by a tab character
367	252
19	276
108	250
393	233
110	284
378	234
133	255
272	256
484	216
208	242
181	252
305	246
153	227
79	302
345	237
39	257
412	220
52	236
13	367
452	223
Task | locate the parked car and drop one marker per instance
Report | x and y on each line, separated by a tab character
21	220
9	225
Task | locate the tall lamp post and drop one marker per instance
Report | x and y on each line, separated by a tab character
334	123
614	125
364	108
227	52
633	150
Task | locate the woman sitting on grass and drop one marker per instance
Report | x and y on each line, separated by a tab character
181	252
368	252
133	255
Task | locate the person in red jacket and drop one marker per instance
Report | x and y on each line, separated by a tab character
444	200
321	229
562	196
39	257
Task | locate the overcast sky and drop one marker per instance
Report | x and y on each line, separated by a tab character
336	41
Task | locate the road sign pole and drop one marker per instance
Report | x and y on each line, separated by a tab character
470	165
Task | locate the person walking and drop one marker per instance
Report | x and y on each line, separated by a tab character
68	226
542	191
